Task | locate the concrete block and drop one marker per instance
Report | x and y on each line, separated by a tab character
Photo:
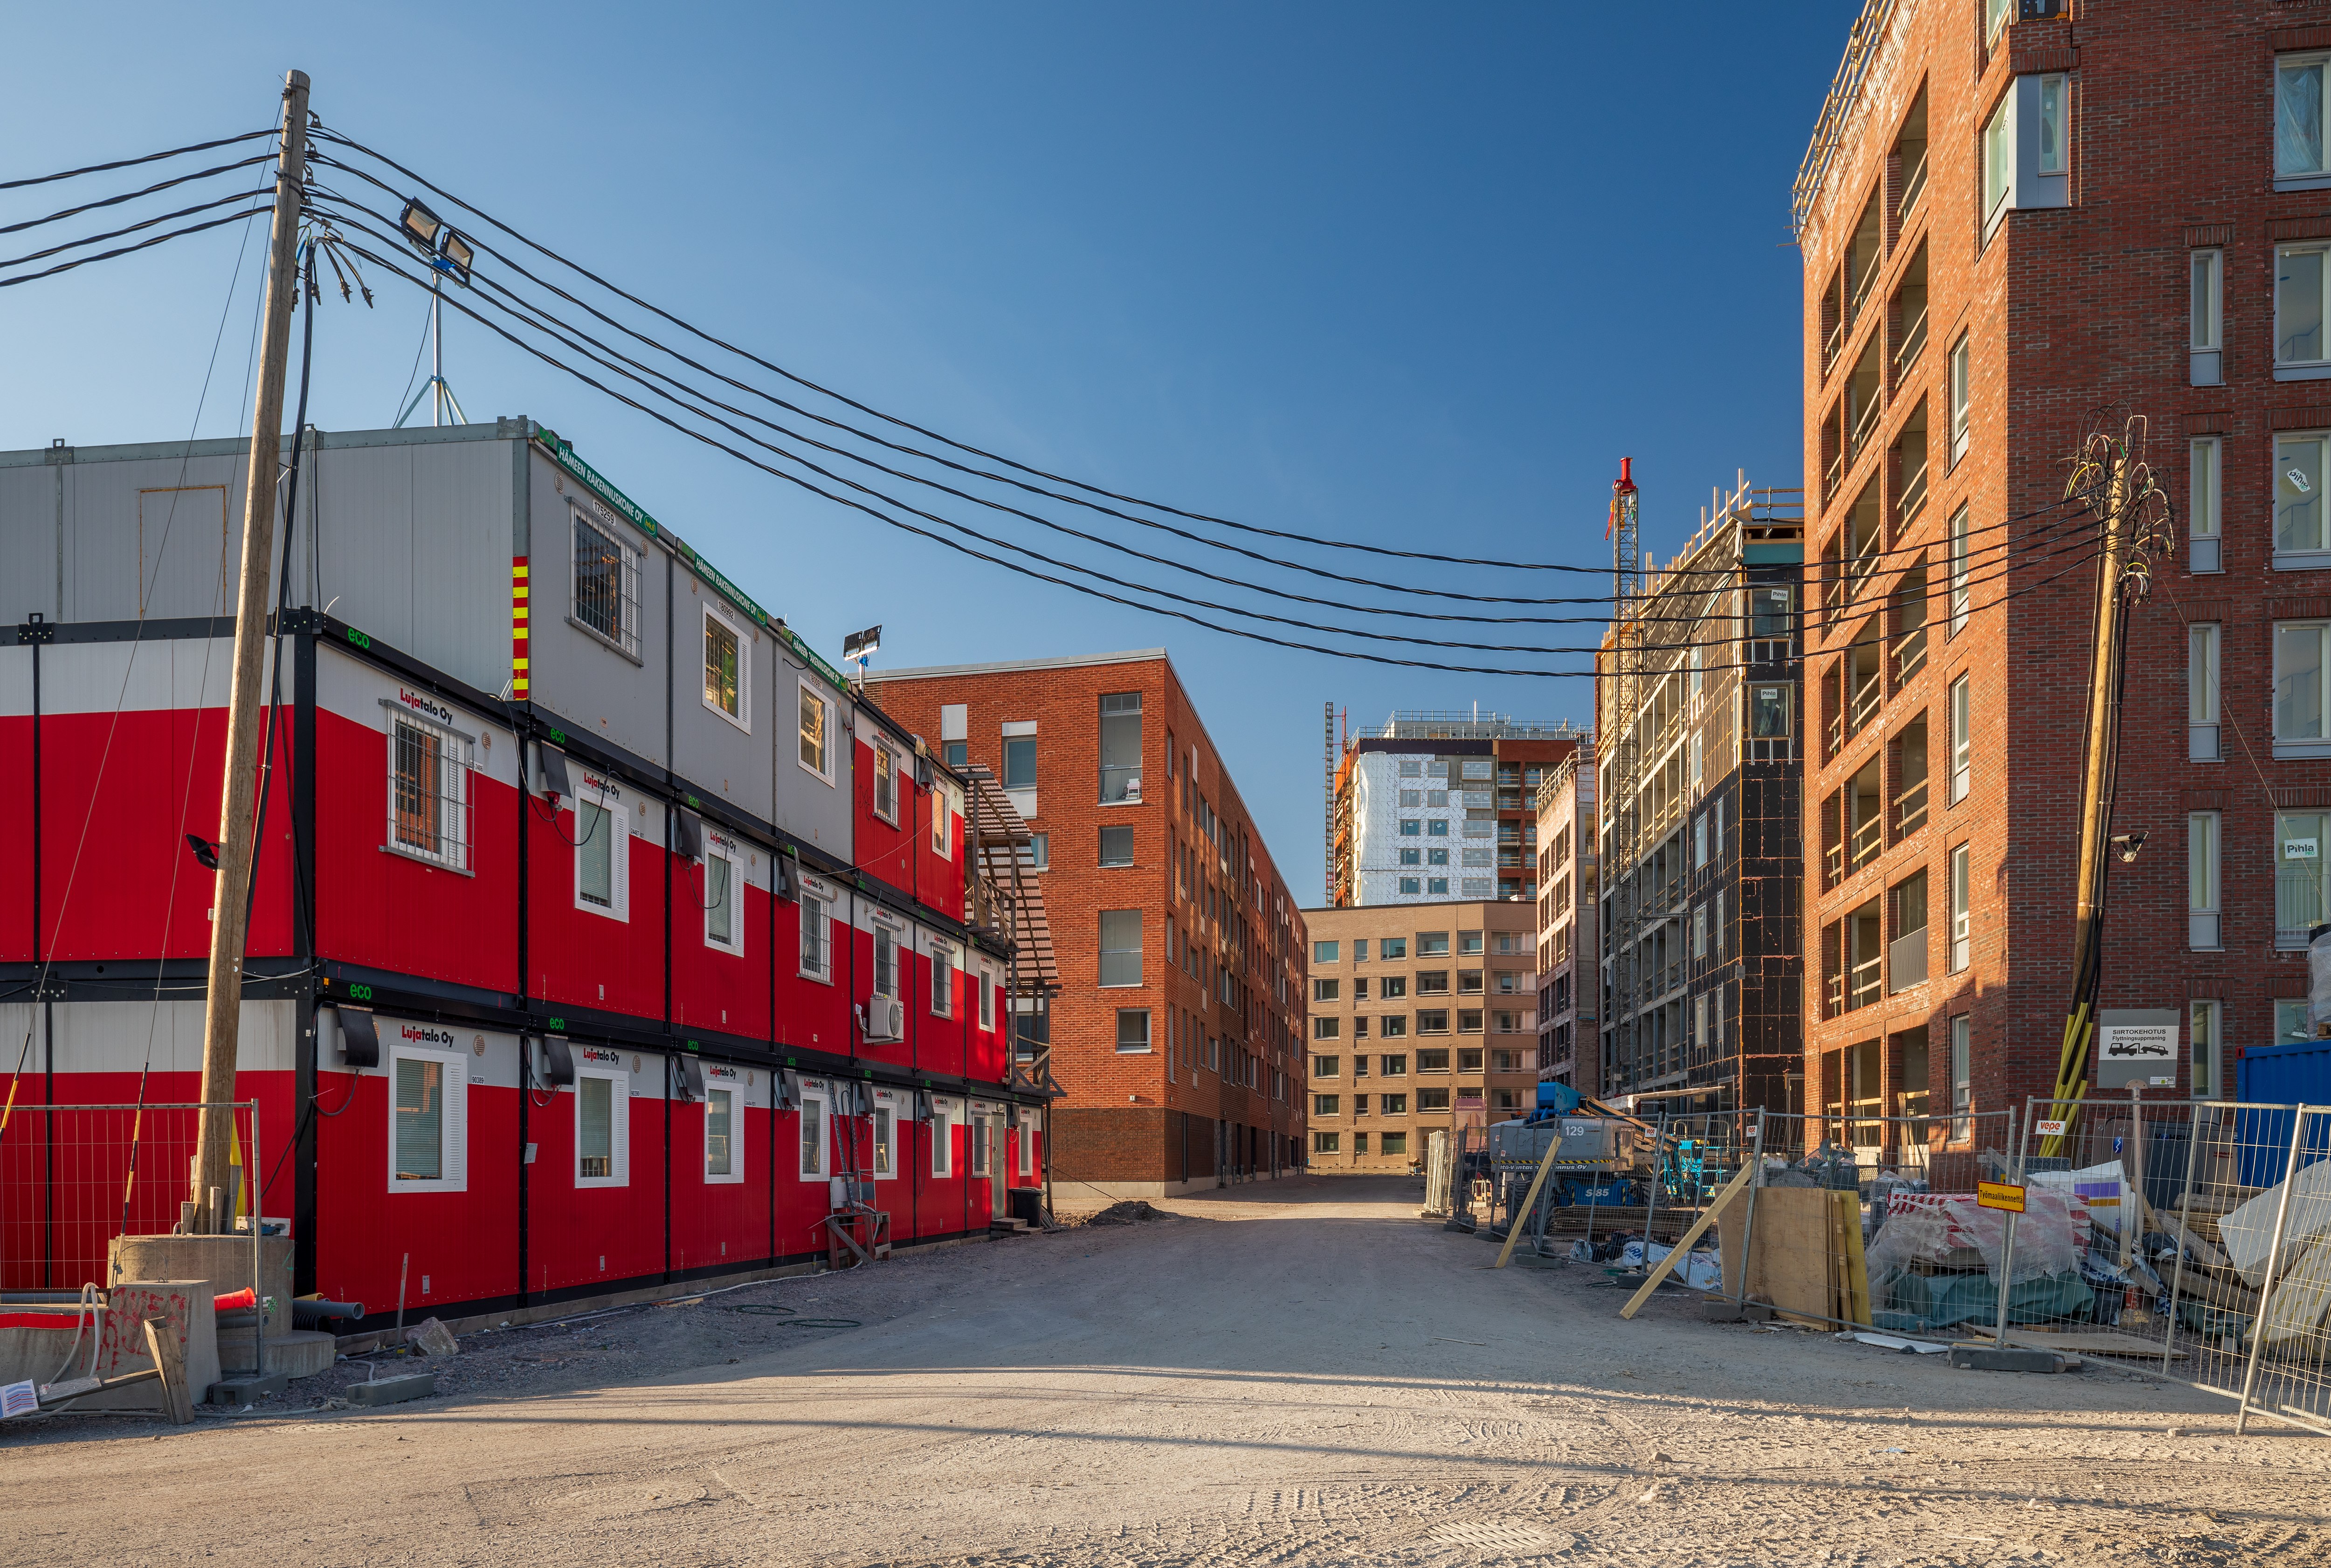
1990	1358
302	1353
225	1261
244	1390
394	1389
185	1306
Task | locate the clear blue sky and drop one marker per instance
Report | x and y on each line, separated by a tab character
1413	276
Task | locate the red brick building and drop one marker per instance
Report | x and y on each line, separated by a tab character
2008	225
1178	1032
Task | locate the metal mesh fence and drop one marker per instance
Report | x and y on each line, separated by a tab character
73	1177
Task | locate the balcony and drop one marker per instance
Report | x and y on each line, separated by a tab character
1913	185
1909	653
1910	809
1864	706
1911	499
1906	959
1912	344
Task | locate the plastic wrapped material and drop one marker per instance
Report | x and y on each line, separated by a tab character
2318	978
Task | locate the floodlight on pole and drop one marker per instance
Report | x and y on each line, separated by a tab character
859	647
421	226
449	253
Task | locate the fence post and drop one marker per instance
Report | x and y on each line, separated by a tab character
1748	1221
2132	1214
1651	1208
2273	1259
2007	1249
2184	1223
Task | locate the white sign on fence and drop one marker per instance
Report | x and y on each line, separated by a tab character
2133	1045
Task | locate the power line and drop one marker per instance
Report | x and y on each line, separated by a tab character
141	245
133	195
127	162
230	197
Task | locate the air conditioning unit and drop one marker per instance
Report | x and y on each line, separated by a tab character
885	1019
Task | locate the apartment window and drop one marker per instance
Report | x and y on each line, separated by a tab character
1326	1105
1962	1078
1961	927
1121	747
2201	691
724	875
986	1001
1768	712
1327	990
603	1118
1962	737
1999	157
1412	887
2206	311
720	1161
2299	279
2299	900
1961	587
1960	399
428	1122
1412	828
2203	493
1132	1030
815	753
1117	846
1468	942
1396	1066
1436	887
1039	852
606	585
1359	1029
1433	1020
942	980
2208	1056
1994	18
1019	762
1432	1099
942	834
602	867
1392	1104
983	1146
956	754
1325	952
1469	1061
813	1136
2298	160
1436	828
2299	517
1120	946
1326	1028
1433	943
2302	728
429	793
1392	1026
886	784
886	961
886	1143
2202	829
1700	932
1359	1140
1433	1061
814	956
2054	156
1431	982
1468	1021
1359	951
1390	948
1327	1065
726	670
1328	1143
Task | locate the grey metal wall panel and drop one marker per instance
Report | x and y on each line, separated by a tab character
461	568
140	677
15	681
152	537
29	563
573	673
363	541
709	749
809	807
124	1037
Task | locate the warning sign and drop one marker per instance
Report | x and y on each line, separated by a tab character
1999	1195
2049	1129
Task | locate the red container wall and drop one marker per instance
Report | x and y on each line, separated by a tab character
938	879
712	988
580	957
119	793
721	1224
16	837
389	911
809	1013
588	1235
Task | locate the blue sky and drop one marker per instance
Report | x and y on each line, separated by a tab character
1414	277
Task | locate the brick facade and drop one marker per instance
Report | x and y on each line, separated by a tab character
2071	295
1216	1094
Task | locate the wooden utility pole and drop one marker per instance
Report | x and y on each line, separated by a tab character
231	898
2096	827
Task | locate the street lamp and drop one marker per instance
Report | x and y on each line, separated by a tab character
450	254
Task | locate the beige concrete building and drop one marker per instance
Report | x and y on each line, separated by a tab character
1423	1016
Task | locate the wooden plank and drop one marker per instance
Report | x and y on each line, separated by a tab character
1529	1204
169	1360
1732	1189
1790	1262
1857	1269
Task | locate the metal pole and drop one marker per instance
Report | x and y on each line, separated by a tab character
2273	1262
1651	1204
436	349
2007	1249
231	894
1748	1223
2132	1214
2184	1210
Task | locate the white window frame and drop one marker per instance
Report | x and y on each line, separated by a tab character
886	783
716	615
619	1124
886	957
454	1134
2203	641
1995	14
1962	722
823	768
1103	953
945	1115
2205	305
2204	467
735	1094
2203	853
816	917
2206	1044
2296	743
942	820
2291	487
616	823
1961	1067
813	1093
2289	367
2292	936
626	639
986	1000
1962	593
1995	149
721	849
2293	176
456	754
1962	386
942	980
1149	1032
1024	1140
1962	896
883	1121
2054	98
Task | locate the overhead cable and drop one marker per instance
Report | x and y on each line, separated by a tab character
133	195
147	158
141	245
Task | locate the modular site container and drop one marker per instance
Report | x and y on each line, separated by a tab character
597	924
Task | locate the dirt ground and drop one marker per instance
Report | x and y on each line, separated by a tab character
1295	1374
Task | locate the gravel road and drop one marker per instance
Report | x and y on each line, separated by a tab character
1296	1374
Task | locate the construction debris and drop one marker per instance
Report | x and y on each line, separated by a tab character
433	1339
1130	1211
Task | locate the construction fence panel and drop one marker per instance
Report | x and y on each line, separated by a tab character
1872	1222
1614	1185
2195	1235
72	1177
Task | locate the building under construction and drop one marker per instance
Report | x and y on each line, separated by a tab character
1435	806
1699	701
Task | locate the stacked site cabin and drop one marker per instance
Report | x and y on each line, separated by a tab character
597	923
